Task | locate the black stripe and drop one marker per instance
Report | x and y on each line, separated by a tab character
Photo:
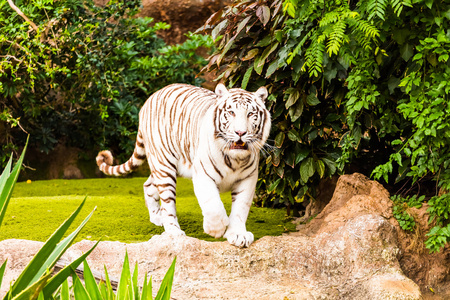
207	172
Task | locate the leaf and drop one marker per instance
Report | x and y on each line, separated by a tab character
263	13
250	54
296	112
279	139
246	77
301	155
47	255
312	99
125	279
293	135
242	25
79	290
166	285
307	169
2	271
32	291
90	283
8	181
406	51
292	99
62	275
320	167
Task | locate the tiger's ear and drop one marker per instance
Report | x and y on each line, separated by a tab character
262	93
221	91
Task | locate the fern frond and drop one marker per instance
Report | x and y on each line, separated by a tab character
337	37
377	8
314	57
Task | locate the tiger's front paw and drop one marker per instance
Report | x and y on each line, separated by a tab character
239	239
216	225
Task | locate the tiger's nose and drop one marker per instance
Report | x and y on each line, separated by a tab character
240	133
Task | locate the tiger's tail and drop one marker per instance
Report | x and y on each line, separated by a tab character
105	160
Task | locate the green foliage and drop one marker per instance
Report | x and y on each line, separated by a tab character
128	287
352	83
439	211
400	210
84	73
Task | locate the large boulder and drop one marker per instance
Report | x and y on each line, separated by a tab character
349	251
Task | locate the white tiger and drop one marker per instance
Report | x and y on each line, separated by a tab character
213	138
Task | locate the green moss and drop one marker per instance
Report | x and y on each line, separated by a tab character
38	208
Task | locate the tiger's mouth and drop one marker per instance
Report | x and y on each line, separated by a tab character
239	145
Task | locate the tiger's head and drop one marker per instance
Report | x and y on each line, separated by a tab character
242	122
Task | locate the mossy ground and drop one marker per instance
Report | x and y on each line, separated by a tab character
38	208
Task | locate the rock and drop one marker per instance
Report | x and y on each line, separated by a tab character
350	251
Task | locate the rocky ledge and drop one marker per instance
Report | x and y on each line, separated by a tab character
351	250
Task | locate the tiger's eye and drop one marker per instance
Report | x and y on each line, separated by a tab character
250	114
232	113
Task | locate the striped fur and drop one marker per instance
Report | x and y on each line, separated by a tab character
213	138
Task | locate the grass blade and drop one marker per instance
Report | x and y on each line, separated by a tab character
135	283
79	291
125	279
111	294
65	295
8	185
147	289
2	271
35	265
90	283
166	285
62	275
5	174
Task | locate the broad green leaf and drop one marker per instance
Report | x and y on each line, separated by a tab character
293	135
225	50
312	99
242	25
406	51
36	265
296	111
301	155
307	169
320	167
166	285
62	275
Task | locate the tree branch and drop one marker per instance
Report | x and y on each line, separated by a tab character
20	13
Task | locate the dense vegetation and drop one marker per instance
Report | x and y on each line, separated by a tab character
354	84
79	76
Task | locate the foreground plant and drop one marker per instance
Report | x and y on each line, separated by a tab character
37	282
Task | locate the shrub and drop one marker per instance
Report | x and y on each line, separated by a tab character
81	76
352	83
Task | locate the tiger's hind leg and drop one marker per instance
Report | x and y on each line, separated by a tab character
152	202
165	184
